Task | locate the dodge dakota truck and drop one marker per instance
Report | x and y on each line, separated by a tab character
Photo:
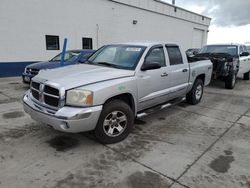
118	82
229	61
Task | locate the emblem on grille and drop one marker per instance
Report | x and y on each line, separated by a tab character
41	89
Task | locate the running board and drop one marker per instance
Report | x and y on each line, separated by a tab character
160	107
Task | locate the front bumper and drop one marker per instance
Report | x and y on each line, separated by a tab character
66	119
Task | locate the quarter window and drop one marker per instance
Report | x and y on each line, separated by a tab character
52	42
174	53
156	55
87	43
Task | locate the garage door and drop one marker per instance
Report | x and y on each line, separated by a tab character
198	38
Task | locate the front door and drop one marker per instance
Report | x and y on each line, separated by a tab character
153	85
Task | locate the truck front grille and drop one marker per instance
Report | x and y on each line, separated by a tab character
46	95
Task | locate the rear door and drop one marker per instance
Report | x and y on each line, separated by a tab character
178	70
153	85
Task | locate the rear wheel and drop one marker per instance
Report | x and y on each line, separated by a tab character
230	81
247	76
195	95
115	123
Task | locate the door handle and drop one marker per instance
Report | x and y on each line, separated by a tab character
185	70
164	74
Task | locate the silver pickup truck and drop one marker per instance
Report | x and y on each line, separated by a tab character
116	84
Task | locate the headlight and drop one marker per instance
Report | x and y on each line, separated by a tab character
78	97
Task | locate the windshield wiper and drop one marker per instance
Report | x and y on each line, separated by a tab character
88	62
107	64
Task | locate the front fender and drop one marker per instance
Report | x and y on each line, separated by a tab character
106	90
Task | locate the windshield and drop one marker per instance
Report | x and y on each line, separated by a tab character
229	49
118	56
70	55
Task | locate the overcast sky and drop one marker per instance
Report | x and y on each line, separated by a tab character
230	18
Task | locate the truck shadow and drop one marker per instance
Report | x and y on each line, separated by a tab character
220	84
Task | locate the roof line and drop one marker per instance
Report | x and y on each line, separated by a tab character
207	25
160	1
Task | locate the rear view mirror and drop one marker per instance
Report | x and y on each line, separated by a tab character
150	66
243	54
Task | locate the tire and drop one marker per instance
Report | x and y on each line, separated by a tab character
247	76
116	116
195	95
230	81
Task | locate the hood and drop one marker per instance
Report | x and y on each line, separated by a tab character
47	65
80	75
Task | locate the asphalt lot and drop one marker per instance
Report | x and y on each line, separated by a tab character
183	146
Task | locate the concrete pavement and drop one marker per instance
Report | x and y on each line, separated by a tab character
183	146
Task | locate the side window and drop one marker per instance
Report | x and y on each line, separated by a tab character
174	54
241	49
156	55
245	48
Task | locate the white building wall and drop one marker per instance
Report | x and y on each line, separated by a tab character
24	24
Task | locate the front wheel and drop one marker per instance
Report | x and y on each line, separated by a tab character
247	76
230	81
195	95
115	123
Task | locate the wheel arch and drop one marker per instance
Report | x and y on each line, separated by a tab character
125	97
202	77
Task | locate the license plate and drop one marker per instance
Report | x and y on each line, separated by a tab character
27	79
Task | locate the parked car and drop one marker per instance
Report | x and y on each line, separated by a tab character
229	61
192	52
71	57
114	86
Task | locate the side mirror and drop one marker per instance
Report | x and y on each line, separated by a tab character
243	54
150	66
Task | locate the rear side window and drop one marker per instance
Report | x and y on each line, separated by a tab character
156	55
174	54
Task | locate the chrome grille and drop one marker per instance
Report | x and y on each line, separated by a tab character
45	94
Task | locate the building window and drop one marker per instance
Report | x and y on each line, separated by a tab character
87	43
174	55
52	42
